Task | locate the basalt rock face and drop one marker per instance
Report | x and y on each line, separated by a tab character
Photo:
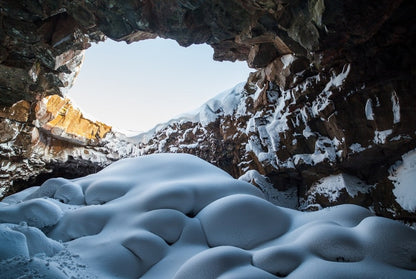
334	78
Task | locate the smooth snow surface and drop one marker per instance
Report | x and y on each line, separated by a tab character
176	216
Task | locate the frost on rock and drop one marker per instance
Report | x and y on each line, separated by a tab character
177	216
403	176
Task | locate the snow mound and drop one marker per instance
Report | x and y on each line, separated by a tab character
177	216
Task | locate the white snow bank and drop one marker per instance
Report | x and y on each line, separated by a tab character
28	241
36	212
176	216
403	176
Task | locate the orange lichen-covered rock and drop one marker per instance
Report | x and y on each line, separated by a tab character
62	120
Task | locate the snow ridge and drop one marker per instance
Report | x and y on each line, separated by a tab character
225	103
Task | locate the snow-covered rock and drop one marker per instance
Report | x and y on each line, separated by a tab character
177	216
61	141
297	134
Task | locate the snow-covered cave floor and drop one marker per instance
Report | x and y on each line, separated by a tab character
177	216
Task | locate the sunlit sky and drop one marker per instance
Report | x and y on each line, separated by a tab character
136	86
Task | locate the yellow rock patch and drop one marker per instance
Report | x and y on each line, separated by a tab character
61	118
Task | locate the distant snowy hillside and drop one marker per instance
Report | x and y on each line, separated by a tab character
176	216
225	103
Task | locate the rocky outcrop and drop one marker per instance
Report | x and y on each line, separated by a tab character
59	142
58	117
333	92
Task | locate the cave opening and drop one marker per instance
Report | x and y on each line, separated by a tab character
134	87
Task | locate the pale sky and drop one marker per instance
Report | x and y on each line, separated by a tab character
136	86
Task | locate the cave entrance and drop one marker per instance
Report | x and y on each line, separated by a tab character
134	87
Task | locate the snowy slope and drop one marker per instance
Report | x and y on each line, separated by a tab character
225	103
177	216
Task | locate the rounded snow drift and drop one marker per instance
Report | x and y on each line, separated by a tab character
176	216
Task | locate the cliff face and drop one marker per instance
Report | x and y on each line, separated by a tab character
58	117
59	142
333	92
330	149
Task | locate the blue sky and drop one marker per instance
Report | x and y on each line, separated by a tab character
136	86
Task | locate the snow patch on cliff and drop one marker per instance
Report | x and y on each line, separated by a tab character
287	60
403	176
332	186
325	149
356	148
395	107
288	198
380	137
369	114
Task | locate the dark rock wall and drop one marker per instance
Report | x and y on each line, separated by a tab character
372	44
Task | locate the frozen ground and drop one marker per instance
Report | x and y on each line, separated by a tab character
176	216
